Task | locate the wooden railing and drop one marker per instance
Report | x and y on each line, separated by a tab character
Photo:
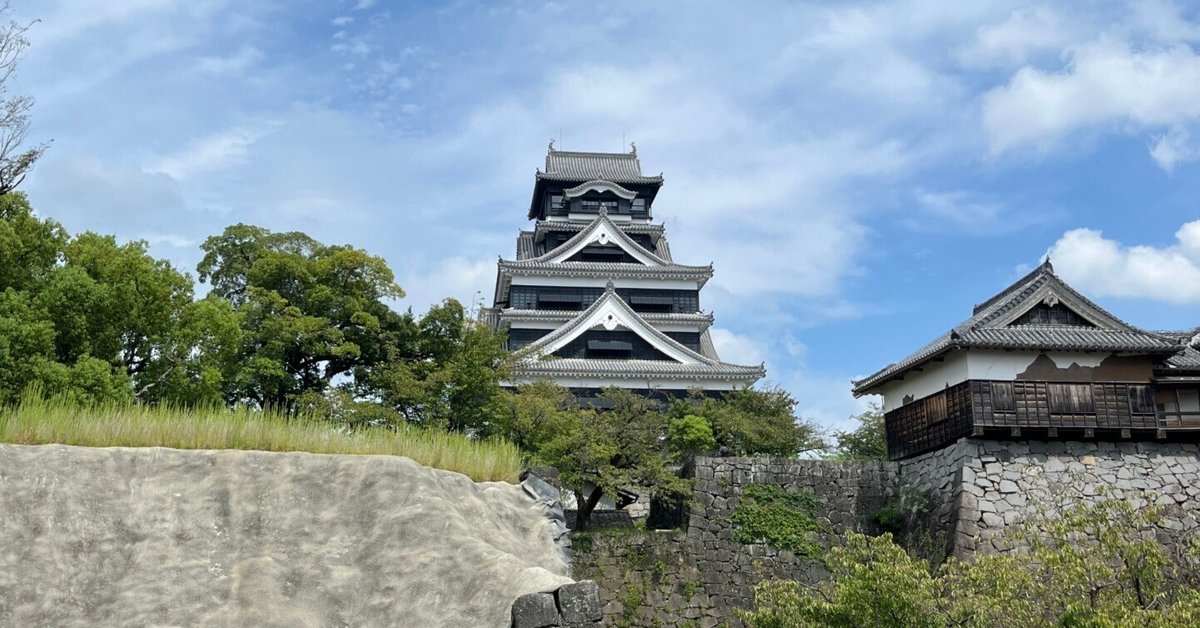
1179	420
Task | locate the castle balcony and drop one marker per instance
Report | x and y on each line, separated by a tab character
1038	410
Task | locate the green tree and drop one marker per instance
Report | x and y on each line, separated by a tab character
618	448
689	436
30	247
534	414
310	312
866	442
449	376
754	422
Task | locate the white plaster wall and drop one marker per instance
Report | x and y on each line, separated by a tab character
937	376
1006	365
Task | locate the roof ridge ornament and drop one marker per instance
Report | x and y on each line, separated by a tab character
551	147
633	148
1046	265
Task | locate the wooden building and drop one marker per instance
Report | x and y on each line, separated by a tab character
594	297
1040	360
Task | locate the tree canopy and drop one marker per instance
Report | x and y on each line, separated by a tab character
866	442
289	323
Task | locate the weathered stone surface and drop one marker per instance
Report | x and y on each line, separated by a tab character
535	610
579	603
162	537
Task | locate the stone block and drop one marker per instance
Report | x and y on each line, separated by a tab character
535	610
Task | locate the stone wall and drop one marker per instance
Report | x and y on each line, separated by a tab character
848	494
646	578
575	605
1010	481
961	499
935	481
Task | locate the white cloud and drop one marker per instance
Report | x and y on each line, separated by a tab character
736	349
1103	267
1026	32
1105	85
468	280
238	62
1173	147
212	153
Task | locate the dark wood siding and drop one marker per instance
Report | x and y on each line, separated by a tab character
929	423
939	419
1054	404
689	339
567	298
607	344
518	338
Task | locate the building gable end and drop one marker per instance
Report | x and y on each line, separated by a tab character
604	232
610	312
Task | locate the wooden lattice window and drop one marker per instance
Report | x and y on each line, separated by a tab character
1070	399
935	408
1141	400
1003	399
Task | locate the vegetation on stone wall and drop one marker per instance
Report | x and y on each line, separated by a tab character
784	520
647	578
1096	565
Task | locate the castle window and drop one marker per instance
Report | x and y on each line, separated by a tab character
1070	398
594	206
1002	397
935	408
1141	400
618	349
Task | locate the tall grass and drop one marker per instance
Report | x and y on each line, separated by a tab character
38	421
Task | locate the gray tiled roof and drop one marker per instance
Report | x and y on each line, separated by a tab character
622	239
564	165
655	230
707	348
634	369
526	248
698	318
652	228
1189	358
704	367
612	270
990	327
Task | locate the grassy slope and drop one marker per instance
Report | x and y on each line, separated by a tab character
37	422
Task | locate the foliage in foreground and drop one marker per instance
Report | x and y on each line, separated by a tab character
637	442
37	421
1094	565
868	441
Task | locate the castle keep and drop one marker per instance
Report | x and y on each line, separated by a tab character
594	297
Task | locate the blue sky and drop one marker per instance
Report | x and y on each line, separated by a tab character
860	173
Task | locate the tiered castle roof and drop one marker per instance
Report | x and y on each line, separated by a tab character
617	267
